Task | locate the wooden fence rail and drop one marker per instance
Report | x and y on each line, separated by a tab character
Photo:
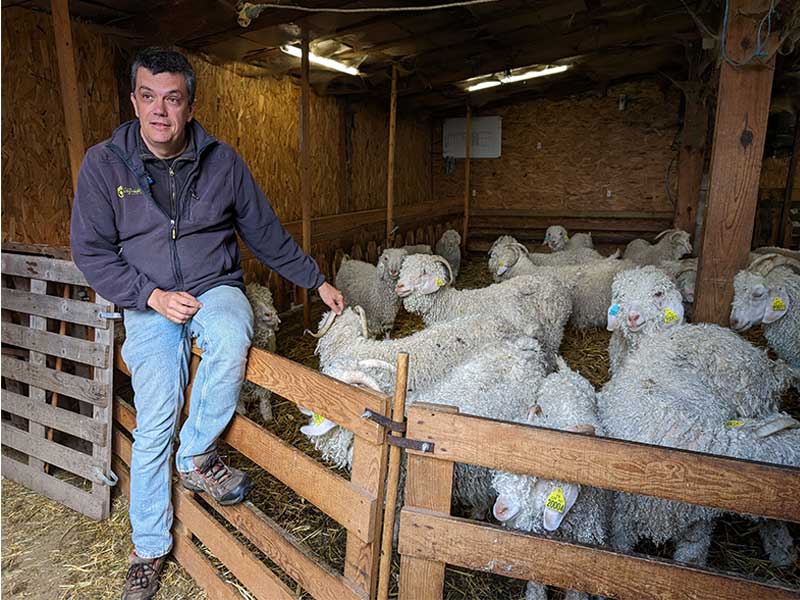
431	538
355	504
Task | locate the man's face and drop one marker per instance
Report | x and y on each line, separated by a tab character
162	105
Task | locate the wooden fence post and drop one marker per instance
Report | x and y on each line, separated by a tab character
429	485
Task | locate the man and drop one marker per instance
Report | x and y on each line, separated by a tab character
154	230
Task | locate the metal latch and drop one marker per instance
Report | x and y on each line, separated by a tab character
399	427
110	315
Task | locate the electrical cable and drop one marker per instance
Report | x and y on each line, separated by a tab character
249	11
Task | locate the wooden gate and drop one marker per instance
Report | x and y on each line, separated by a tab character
430	537
57	381
356	504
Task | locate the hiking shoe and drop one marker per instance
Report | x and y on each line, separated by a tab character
141	581
223	483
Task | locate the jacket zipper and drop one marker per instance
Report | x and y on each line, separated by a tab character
173	222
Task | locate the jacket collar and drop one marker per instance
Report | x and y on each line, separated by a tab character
124	143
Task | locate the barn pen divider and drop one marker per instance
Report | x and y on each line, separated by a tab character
56	426
430	537
357	504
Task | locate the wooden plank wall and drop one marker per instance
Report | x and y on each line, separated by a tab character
257	116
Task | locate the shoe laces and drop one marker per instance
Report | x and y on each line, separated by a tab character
139	575
213	468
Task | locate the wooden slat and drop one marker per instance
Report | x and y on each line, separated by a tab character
53	488
429	486
67	421
56	381
36	359
38	267
489	225
319	580
102	414
368	470
579	215
347	503
89	353
63	309
735	485
50	452
252	573
341	403
46	250
124	414
202	571
427	535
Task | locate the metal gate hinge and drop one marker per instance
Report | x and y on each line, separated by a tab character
409	444
384	421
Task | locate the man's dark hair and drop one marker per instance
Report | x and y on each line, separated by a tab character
162	60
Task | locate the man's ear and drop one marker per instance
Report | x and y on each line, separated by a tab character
135	108
191	111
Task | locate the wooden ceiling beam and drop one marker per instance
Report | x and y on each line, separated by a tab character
440	71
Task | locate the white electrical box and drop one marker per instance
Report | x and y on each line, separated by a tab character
485	132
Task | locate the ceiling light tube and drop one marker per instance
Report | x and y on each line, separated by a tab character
484	85
320	60
533	74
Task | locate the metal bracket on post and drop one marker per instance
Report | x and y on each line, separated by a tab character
113	316
399	427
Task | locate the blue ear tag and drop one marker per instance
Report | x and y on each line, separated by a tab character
149	180
613	310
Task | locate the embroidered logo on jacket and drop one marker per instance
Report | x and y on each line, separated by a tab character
126	191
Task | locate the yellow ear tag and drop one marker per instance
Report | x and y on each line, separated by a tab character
317	419
670	316
439	281
778	304
500	263
566	238
555	501
734	423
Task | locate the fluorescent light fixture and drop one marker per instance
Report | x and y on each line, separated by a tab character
515	78
484	85
320	60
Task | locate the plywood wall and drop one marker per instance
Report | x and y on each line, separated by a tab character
37	186
257	116
568	155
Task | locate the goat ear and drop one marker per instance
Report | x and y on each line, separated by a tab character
612	317
777	306
429	284
673	314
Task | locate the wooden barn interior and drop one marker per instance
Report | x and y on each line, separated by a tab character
666	114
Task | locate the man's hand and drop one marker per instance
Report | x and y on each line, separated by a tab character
178	307
332	297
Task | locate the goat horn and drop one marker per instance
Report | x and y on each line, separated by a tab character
326	325
376	363
521	247
770	261
360	378
362	314
439	259
665	232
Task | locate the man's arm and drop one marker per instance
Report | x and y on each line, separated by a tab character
271	243
94	241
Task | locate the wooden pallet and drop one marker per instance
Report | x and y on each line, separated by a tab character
57	369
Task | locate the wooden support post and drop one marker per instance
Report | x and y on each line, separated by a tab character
691	161
390	165
785	223
743	99
392	481
305	166
69	86
467	153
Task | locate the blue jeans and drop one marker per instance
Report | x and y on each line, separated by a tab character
156	351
